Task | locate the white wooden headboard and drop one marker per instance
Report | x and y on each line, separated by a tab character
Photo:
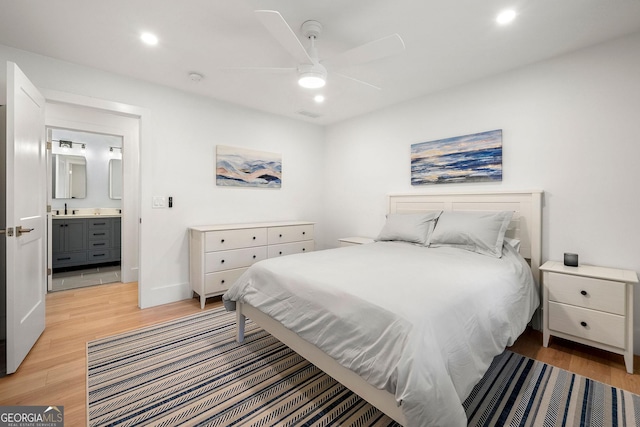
526	223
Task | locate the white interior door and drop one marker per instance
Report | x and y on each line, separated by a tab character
26	198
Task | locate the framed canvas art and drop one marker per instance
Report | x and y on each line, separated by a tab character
241	167
468	158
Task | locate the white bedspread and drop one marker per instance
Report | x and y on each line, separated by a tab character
422	323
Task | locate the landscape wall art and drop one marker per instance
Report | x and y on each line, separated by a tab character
468	158
241	167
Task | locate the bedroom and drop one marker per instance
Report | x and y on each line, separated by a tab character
570	126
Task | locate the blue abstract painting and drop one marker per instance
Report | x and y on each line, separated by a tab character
468	158
240	167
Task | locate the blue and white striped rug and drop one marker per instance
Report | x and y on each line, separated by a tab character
192	372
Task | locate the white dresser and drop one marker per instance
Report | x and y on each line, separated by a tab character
219	254
590	305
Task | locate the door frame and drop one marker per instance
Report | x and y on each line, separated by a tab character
132	168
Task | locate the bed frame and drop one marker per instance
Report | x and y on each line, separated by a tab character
526	225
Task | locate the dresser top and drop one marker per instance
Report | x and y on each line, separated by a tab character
606	273
220	227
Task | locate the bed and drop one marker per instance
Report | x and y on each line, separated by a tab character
365	315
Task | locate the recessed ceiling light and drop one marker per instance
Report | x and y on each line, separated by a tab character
506	16
149	38
318	98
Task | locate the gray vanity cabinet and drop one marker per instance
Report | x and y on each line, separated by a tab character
69	245
85	241
116	237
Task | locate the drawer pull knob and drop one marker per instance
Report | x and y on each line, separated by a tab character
222	262
583	324
254	237
583	293
222	241
304	249
254	257
280	235
222	281
304	232
280	253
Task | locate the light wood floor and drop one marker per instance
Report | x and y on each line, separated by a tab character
54	372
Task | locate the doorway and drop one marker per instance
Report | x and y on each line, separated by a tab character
115	136
86	208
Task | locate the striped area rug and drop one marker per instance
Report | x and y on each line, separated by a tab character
192	372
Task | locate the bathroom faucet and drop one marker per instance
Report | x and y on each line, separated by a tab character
65	208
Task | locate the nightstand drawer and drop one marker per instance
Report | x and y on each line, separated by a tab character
592	325
597	294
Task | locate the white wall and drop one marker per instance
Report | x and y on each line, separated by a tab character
571	127
179	161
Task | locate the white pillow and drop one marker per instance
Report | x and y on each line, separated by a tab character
515	243
481	232
413	228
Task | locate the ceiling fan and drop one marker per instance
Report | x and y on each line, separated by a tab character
312	71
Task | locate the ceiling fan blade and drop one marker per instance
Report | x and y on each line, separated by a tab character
355	80
278	27
377	49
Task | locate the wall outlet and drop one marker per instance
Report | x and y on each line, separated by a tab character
159	202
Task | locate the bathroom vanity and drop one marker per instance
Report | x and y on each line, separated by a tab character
85	240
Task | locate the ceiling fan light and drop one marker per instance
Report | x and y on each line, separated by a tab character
311	80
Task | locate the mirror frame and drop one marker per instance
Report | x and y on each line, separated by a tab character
115	179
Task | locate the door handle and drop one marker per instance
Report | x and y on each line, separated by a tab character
20	230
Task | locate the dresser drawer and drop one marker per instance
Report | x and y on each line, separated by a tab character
601	327
221	281
291	248
597	294
290	233
226	260
234	239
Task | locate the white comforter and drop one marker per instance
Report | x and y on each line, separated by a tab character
422	323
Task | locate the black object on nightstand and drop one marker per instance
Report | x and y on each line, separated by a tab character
570	260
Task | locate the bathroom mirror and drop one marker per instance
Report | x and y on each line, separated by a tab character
69	177
115	179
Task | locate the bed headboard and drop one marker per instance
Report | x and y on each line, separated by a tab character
525	225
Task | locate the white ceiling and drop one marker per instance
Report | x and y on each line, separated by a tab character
448	43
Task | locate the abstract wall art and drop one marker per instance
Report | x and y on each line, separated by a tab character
241	167
467	158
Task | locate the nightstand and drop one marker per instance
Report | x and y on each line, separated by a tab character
350	241
590	305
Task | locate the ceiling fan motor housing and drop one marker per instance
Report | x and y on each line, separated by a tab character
311	29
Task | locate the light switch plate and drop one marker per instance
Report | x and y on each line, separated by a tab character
159	202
